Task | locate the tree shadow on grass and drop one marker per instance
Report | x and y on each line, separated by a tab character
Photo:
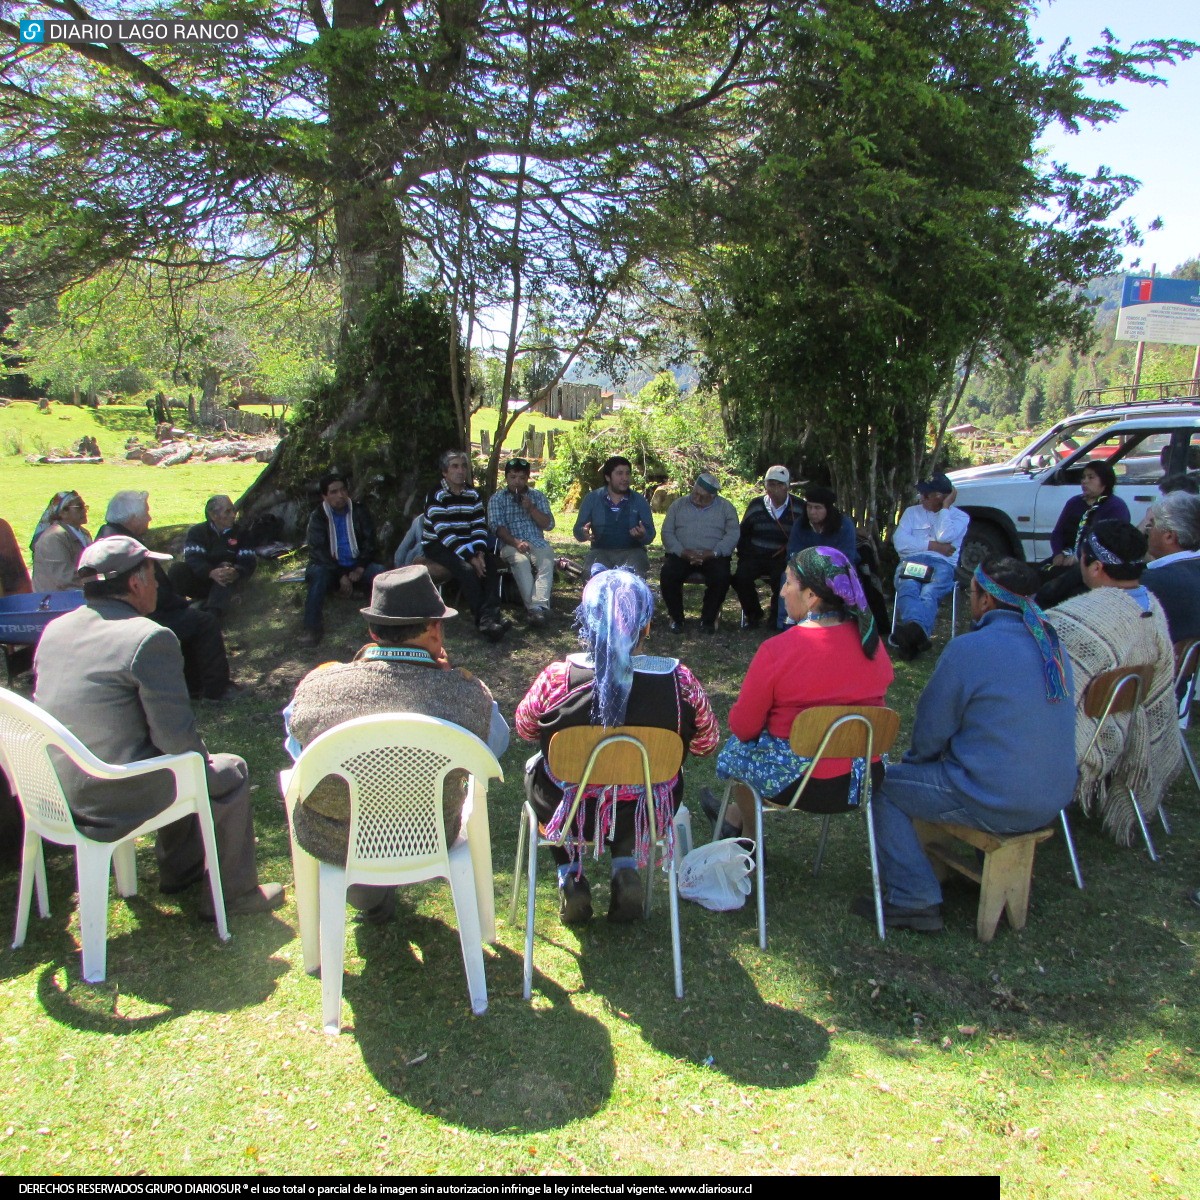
518	1068
723	1022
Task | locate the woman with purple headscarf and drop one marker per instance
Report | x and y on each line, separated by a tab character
832	655
611	683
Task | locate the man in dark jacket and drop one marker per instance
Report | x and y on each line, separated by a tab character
205	663
341	552
762	543
215	558
1173	572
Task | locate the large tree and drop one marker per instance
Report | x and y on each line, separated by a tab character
432	144
891	225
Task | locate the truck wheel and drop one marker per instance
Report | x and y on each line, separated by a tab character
983	539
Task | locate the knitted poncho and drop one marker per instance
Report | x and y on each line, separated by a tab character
1103	629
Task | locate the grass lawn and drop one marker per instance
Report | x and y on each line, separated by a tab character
1063	1057
177	494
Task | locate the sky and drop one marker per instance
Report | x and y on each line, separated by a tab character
1157	140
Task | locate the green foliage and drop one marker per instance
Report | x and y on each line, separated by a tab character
889	224
384	415
667	435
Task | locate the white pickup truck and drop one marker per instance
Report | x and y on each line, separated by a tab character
1015	505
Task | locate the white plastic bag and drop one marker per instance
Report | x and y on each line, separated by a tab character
717	874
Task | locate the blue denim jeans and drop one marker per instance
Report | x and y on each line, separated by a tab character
321	580
919	602
925	791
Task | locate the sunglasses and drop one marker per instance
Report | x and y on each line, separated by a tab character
516	464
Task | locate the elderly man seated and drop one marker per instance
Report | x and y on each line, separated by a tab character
341	551
1173	572
116	681
993	742
403	669
205	663
699	534
519	516
214	559
762	543
927	539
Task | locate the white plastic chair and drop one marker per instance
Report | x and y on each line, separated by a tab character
836	731
26	736
591	756
394	765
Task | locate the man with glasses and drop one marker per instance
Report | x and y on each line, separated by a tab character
519	516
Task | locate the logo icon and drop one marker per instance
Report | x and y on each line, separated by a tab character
33	31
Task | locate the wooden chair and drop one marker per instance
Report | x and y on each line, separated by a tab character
833	731
589	755
1108	695
1187	662
1005	877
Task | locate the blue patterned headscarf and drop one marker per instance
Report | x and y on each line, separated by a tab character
616	606
1043	633
826	571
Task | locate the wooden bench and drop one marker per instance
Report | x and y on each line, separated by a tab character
1007	868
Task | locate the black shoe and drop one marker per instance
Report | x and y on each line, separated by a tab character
575	900
1194	897
676	626
173	887
310	638
627	902
378	914
712	809
922	920
494	631
535	618
913	638
708	627
752	622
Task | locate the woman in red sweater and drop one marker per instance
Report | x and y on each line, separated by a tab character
832	655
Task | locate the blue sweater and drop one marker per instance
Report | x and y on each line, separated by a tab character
985	715
803	536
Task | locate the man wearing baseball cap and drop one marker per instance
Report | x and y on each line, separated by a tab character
928	540
762	543
115	679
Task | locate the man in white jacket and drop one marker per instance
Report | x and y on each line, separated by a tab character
928	540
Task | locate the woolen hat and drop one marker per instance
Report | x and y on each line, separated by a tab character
778	474
406	596
108	557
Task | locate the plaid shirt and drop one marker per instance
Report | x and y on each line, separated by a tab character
504	509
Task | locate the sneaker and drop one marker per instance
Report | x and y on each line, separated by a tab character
575	900
627	902
310	638
922	920
264	898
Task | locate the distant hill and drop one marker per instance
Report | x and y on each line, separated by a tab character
685	374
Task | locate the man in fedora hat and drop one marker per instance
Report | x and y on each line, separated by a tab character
403	669
115	679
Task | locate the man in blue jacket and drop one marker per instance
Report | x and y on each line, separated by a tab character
993	742
617	521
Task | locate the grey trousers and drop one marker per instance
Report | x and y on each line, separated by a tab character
180	850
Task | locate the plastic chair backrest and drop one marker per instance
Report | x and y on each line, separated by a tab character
618	762
27	734
846	738
394	765
1117	691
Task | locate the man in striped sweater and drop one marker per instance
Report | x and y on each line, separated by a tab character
456	538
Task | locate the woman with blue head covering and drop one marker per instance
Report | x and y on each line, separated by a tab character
611	682
832	655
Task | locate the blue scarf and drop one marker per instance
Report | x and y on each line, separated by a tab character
1043	633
